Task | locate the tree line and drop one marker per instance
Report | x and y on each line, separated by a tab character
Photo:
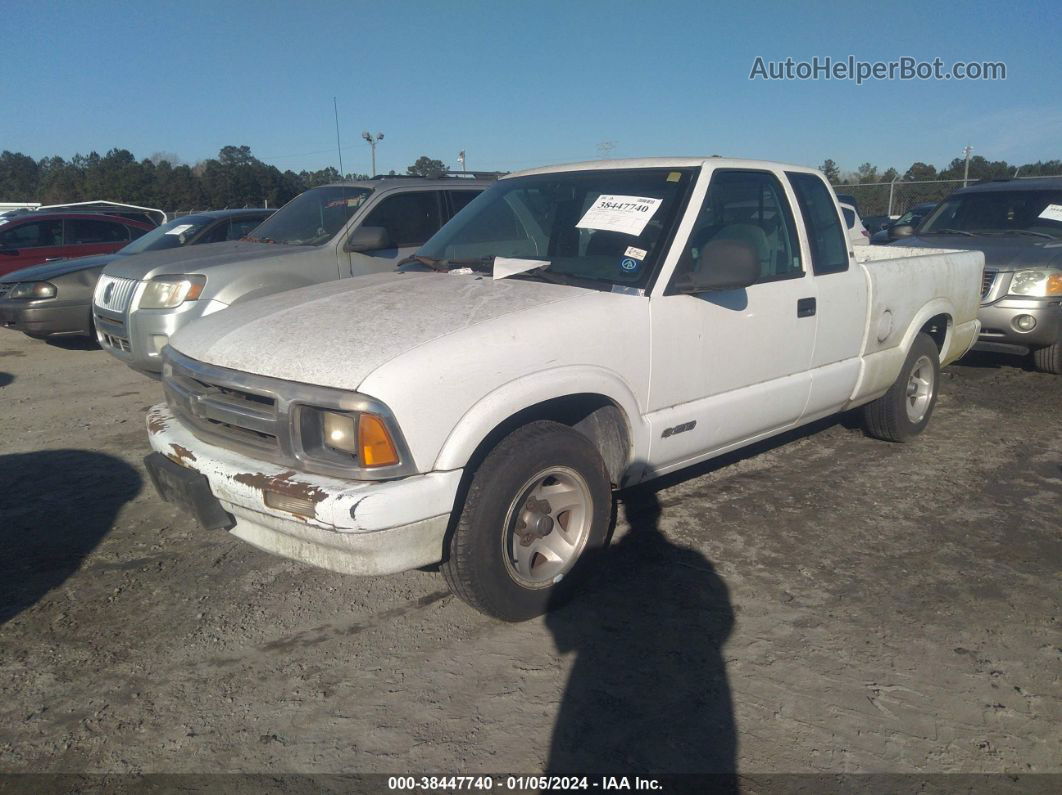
235	178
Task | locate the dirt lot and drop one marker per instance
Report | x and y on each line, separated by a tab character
824	603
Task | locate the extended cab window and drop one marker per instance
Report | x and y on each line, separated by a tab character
409	218
747	207
33	235
828	241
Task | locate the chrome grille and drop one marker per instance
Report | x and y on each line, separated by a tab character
988	278
114	293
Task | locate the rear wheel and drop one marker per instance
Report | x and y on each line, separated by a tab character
537	504
904	411
1049	359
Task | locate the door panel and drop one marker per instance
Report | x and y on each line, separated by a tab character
30	243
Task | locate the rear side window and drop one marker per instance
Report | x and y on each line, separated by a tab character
829	244
409	218
33	235
91	231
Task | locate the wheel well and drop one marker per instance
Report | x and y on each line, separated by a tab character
937	328
594	416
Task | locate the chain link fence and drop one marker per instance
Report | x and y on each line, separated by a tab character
896	198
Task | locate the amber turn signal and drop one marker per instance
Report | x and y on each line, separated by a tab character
374	442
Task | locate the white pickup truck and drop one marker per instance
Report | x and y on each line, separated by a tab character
574	330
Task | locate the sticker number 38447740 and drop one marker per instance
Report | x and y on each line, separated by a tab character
626	214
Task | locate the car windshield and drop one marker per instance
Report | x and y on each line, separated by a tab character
1034	212
312	218
605	226
170	235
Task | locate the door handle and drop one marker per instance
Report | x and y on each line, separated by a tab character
805	307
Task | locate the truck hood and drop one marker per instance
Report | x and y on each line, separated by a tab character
53	270
1001	253
196	259
336	334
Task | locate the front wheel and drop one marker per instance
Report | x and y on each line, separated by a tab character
536	505
1049	359
903	412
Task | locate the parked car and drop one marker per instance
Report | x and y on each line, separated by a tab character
574	330
875	223
1018	225
849	199
857	233
324	234
912	218
45	236
55	298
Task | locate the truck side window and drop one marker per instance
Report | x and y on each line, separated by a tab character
751	207
829	244
409	218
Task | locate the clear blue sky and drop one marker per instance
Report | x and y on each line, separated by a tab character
518	84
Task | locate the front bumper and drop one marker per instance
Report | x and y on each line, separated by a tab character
138	336
356	527
999	333
46	317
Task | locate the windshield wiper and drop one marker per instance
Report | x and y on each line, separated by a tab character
445	265
949	232
1030	232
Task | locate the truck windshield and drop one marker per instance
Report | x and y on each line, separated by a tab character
1034	212
170	235
607	226
312	218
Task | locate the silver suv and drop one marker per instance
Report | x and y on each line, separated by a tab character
327	233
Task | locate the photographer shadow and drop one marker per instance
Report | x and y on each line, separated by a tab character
648	693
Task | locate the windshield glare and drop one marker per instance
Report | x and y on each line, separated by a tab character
1000	211
312	218
170	235
607	225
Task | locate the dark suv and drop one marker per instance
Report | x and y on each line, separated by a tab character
37	237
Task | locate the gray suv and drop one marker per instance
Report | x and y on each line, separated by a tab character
1017	223
326	233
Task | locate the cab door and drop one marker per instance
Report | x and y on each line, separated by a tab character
409	217
730	366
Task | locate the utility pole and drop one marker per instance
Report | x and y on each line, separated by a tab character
335	109
373	140
966	171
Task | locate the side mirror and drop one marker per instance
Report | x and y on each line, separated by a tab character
904	230
722	265
368	238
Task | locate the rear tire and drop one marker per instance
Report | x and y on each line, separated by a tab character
904	411
536	505
1049	359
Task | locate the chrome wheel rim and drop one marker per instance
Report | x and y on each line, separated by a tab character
547	527
920	386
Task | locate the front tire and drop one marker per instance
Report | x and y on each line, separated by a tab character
536	505
1049	359
904	411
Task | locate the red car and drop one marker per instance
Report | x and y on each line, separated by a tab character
33	238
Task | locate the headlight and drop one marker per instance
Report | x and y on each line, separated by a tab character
166	292
1038	283
33	290
347	437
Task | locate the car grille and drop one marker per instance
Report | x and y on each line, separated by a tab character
988	278
114	293
118	343
222	411
5	289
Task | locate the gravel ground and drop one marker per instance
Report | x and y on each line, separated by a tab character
825	602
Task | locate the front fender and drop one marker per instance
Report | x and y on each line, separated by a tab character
529	390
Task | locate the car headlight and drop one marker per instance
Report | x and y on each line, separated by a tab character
166	292
358	438
33	290
1037	283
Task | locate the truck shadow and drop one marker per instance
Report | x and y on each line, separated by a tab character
648	692
55	507
6	378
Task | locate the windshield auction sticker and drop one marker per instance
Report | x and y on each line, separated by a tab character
626	214
1052	212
